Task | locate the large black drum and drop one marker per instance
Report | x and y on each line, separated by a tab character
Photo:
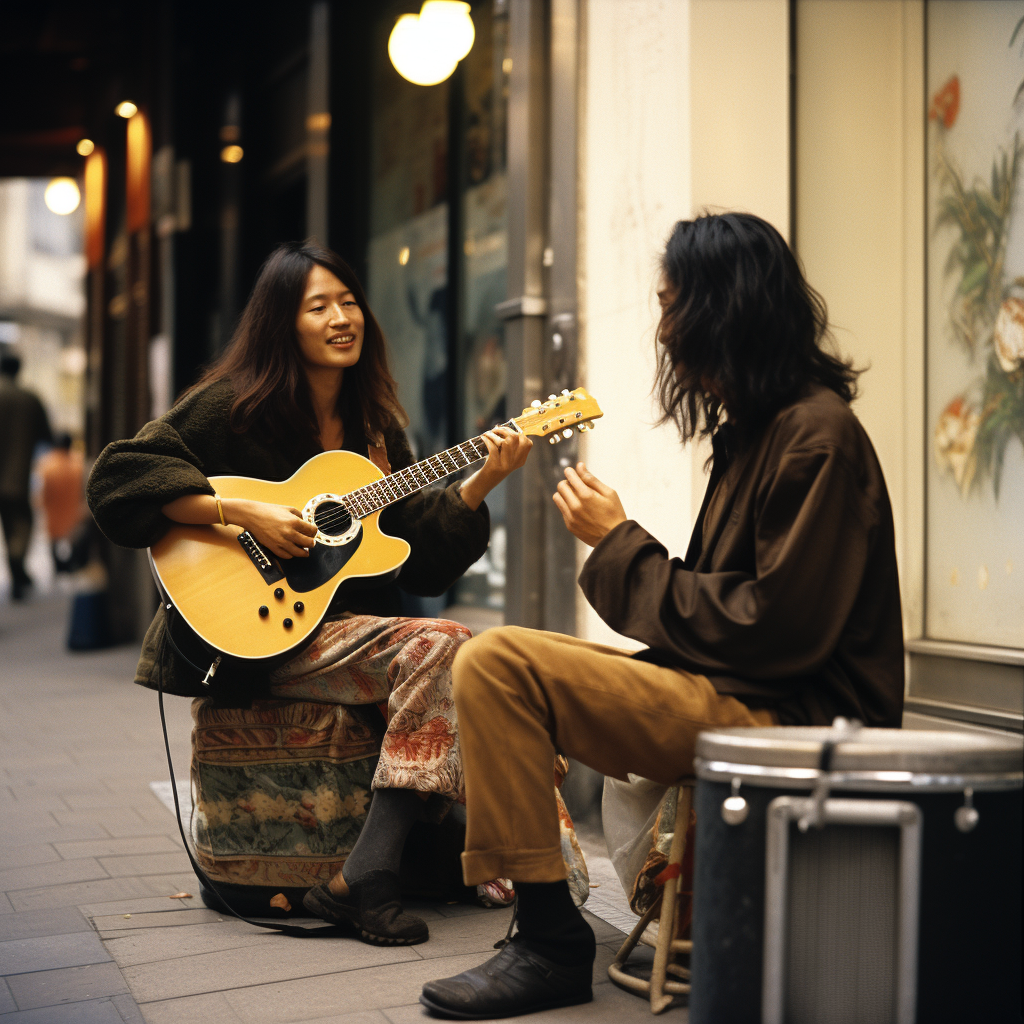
847	876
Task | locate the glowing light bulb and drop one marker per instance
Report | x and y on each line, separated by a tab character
85	147
126	109
425	48
62	196
451	21
232	154
403	255
414	58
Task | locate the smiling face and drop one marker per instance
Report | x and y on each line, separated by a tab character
329	325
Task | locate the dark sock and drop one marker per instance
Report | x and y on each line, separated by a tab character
380	844
550	923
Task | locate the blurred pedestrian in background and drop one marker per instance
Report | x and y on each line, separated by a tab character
61	472
23	425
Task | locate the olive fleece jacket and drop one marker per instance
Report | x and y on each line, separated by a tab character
788	597
173	456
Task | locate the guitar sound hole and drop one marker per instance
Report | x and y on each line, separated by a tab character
332	519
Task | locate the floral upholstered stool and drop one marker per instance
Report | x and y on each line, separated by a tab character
280	794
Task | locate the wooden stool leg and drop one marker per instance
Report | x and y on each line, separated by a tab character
615	969
667	925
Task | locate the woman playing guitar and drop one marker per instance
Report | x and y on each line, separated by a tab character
307	372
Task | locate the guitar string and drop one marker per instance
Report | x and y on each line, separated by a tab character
363	501
376	496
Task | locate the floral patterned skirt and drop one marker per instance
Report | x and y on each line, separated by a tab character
404	667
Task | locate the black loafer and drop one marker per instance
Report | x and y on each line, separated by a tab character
373	907
516	981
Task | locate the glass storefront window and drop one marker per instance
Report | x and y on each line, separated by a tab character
449	357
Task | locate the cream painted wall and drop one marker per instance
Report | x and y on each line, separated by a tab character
685	106
739	120
739	67
859	224
634	185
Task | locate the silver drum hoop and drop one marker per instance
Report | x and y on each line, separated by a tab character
878	781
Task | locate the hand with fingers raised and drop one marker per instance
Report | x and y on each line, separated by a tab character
590	508
507	451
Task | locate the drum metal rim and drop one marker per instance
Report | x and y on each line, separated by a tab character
881	781
868	750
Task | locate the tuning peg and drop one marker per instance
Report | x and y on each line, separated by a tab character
554	439
551	398
565	391
535	404
567	433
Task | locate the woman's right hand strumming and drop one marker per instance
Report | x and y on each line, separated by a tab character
280	528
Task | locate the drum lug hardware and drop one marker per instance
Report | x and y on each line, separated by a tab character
841	731
966	817
734	808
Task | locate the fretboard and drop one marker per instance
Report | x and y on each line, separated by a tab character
400	484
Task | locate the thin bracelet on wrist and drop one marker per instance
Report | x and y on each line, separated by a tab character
220	510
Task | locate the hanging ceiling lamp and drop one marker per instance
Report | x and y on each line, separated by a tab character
426	47
62	196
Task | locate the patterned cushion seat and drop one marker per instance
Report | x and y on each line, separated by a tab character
280	793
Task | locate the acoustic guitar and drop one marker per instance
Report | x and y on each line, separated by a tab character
242	601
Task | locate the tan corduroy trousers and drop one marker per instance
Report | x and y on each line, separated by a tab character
521	694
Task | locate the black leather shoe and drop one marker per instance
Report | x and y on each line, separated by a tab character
373	906
516	981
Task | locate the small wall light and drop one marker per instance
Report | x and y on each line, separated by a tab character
126	109
403	255
232	154
426	47
62	196
85	147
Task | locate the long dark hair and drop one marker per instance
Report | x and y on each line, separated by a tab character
743	331
262	361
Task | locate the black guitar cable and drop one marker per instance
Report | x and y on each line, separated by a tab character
320	931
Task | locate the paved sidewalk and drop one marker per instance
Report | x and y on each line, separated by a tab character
89	858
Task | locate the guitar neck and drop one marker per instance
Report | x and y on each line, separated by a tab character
400	484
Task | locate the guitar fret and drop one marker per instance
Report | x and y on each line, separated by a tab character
371	498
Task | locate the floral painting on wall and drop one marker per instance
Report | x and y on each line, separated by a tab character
975	322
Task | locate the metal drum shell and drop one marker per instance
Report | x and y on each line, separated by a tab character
969	938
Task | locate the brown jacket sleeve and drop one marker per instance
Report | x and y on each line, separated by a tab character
811	542
445	534
133	479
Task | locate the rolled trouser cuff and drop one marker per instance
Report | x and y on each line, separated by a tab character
545	865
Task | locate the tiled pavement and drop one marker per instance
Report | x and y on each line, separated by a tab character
89	858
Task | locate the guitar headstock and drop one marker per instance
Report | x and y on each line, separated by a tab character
559	415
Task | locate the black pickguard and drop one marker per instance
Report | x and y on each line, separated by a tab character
323	564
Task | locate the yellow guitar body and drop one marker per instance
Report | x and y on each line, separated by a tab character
217	589
245	603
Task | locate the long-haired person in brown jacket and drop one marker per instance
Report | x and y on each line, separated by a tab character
786	608
307	372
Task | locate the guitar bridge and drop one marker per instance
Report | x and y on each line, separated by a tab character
260	557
